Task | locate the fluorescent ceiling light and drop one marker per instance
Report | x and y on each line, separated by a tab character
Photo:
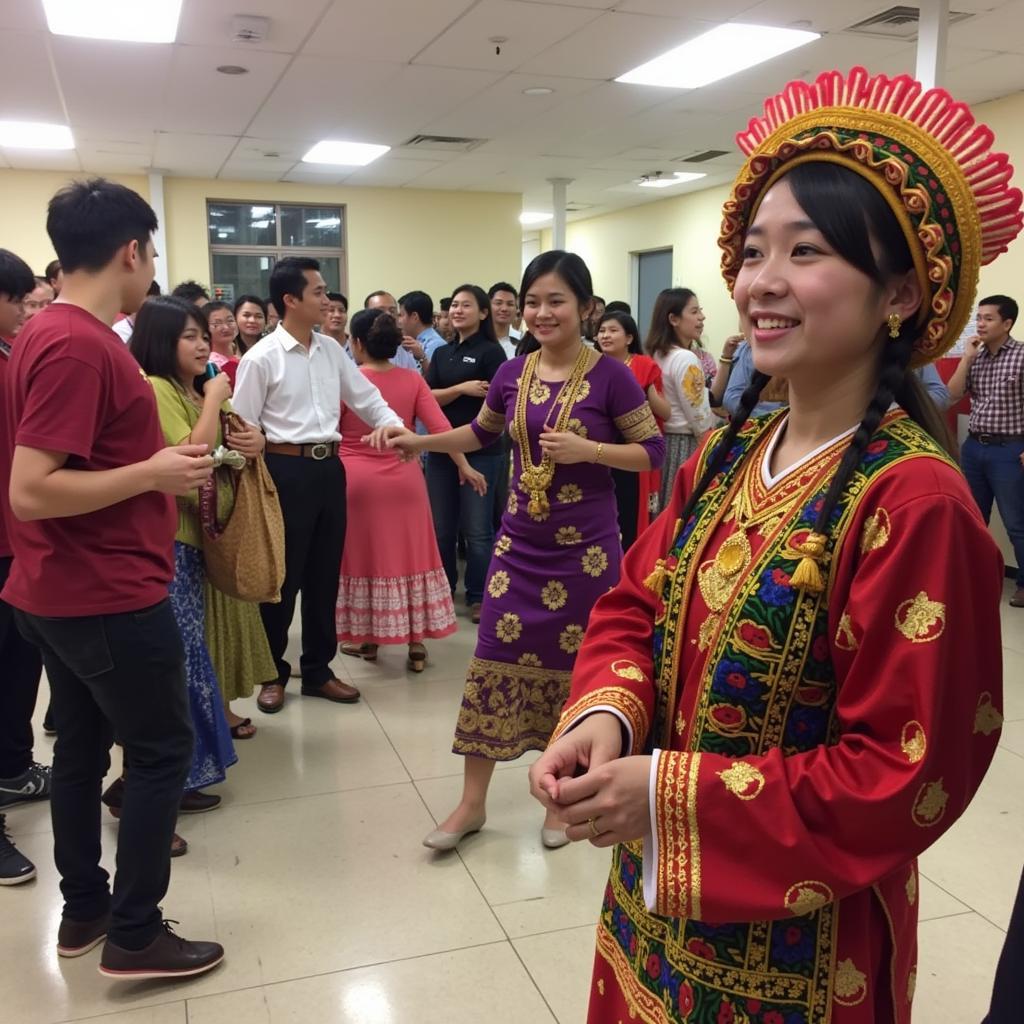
257	211
667	182
344	154
132	21
534	218
33	135
722	52
261	224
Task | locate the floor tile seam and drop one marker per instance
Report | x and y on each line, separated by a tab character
315	975
112	1013
390	741
555	931
468	870
536	984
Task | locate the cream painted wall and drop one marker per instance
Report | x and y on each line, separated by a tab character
23	199
398	239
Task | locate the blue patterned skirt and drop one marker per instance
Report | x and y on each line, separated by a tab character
214	752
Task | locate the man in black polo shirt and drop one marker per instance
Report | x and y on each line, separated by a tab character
458	375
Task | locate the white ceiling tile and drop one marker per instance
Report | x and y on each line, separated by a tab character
1002	29
197	156
700	10
27	85
208	23
385	30
305	175
200	98
503	105
317	96
529	29
385	173
43	160
111	84
831	16
613	44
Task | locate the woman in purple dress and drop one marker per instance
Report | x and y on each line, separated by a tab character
573	415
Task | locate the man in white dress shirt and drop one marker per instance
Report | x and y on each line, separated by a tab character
292	383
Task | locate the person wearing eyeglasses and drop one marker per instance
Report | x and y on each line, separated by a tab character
224	352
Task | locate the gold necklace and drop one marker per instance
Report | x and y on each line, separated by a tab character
536	479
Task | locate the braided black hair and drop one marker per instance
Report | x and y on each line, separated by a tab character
850	213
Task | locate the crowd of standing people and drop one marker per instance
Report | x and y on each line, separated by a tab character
776	507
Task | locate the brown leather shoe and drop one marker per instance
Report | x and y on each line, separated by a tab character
474	613
333	689
167	956
75	938
271	698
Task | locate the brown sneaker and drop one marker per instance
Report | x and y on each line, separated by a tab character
167	956
76	938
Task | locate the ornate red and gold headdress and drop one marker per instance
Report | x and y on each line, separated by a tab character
926	155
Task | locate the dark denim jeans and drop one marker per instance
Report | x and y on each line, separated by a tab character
22	669
116	676
994	472
458	507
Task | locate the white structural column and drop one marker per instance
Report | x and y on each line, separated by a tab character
932	34
156	200
558	191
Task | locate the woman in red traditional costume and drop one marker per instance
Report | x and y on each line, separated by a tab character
795	687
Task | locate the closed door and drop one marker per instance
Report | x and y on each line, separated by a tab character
654	275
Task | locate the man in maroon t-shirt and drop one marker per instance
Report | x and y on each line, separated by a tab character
92	533
21	778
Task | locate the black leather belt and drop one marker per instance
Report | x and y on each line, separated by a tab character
996	438
319	450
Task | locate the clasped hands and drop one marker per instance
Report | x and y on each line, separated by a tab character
582	779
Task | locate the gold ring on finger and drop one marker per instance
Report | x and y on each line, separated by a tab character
592	822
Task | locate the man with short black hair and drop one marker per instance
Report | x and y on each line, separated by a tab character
21	778
991	372
293	384
416	319
336	320
191	291
386	301
442	319
504	303
92	531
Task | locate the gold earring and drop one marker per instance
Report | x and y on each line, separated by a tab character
894	325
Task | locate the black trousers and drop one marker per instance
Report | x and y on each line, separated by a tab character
22	667
312	496
627	497
1008	990
116	675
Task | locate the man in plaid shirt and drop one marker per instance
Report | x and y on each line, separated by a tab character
992	373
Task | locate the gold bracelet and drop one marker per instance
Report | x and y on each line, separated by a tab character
600	452
727	361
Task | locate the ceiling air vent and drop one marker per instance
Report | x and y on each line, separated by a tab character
445	143
578	207
701	157
898	23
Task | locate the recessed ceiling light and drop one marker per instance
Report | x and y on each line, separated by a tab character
232	69
534	218
538	90
725	50
33	135
667	181
344	154
133	21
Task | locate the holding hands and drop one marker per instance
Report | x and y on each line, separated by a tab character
582	779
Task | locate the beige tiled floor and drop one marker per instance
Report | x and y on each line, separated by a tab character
313	877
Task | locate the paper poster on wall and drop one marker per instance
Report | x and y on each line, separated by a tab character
224	292
969	331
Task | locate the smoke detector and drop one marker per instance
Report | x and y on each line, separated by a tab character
248	28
